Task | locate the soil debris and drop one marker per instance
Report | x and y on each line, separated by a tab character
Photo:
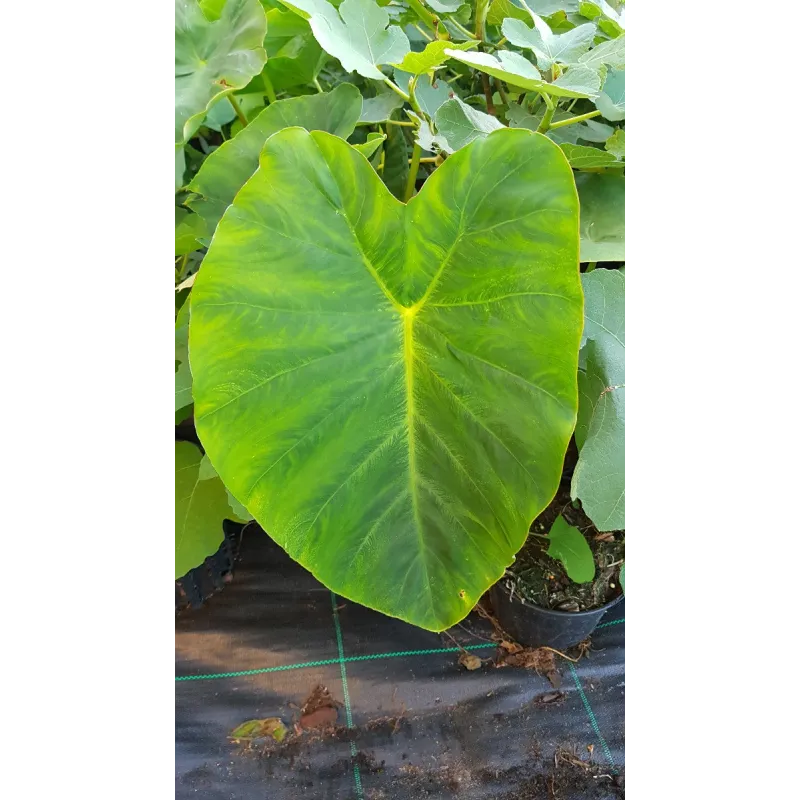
319	710
549	699
469	661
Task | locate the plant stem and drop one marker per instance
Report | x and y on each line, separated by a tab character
412	171
401	124
498	45
572	104
429	160
429	19
269	88
544	125
461	29
498	84
573	120
488	92
318	87
481	9
238	109
590	266
412	96
422	33
394	87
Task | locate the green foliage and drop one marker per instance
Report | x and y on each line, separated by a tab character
200	506
225	171
358	34
404	443
282	288
213	59
569	546
599	477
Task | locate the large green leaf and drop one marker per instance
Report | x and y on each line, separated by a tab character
569	546
501	9
599	477
515	69
602	216
200	506
550	48
358	34
459	124
224	171
390	389
213	59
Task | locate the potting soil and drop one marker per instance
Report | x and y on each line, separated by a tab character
402	718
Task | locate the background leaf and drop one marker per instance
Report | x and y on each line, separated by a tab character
611	101
581	157
380	107
200	507
214	58
358	34
550	48
395	165
569	546
599	477
602	216
432	56
458	124
225	171
398	454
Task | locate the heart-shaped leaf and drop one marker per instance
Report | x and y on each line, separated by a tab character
200	507
569	546
390	389
358	34
226	169
213	59
550	48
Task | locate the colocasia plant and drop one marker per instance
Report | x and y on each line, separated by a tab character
382	330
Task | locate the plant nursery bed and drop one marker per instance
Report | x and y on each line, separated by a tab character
372	707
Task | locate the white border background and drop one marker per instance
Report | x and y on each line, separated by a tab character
712	295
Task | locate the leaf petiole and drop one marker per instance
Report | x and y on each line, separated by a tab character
269	88
238	109
412	171
395	88
573	120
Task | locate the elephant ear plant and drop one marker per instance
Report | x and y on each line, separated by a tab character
390	388
380	336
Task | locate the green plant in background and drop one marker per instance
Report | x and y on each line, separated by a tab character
569	546
405	373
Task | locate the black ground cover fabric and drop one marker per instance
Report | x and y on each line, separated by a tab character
413	722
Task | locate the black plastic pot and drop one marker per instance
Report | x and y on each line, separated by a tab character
533	626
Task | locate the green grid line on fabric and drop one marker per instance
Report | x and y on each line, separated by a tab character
346	694
609	624
592	718
326	661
